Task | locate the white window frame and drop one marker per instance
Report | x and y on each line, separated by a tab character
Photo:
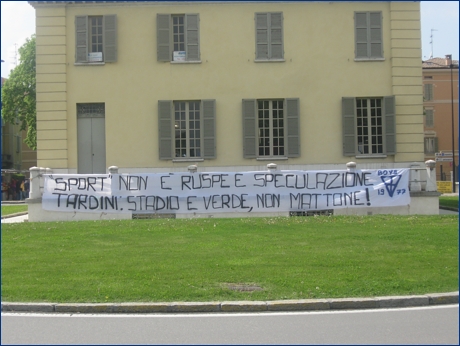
191	127
269	34
167	130
373	119
271	126
291	124
96	38
430	144
84	39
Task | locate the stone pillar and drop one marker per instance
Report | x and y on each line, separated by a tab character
431	176
42	178
351	166
34	183
192	168
414	178
113	170
272	167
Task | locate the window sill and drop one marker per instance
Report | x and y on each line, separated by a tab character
369	59
89	63
186	62
270	60
377	156
273	158
198	159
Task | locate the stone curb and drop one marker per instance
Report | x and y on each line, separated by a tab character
26	212
449	208
15	214
238	306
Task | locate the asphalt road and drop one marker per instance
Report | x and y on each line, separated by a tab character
423	325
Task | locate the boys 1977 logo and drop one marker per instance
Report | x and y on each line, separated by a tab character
390	179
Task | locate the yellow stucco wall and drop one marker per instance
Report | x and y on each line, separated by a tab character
319	69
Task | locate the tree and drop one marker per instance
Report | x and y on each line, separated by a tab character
19	94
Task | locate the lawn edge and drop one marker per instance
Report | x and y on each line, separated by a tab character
240	306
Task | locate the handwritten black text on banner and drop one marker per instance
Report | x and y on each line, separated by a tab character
217	192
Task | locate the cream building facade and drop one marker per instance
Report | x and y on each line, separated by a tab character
228	86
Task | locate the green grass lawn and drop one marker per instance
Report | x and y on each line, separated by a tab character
163	260
448	201
12	209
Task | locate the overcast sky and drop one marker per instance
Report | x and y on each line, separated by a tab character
18	23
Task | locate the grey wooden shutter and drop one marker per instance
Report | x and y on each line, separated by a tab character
276	36
429	118
192	39
110	38
375	35
390	124
349	126
163	37
81	38
368	35
293	127
165	129
361	35
249	129
209	129
261	35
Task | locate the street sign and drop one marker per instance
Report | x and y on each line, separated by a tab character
444	186
442	154
444	159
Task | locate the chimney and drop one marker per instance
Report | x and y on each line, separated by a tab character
448	59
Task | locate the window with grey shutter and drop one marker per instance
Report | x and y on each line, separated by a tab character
269	36
368	35
165	129
271	128
187	129
249	129
209	129
293	127
428	92
86	35
178	33
368	126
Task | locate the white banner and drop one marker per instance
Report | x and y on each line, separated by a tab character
221	192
